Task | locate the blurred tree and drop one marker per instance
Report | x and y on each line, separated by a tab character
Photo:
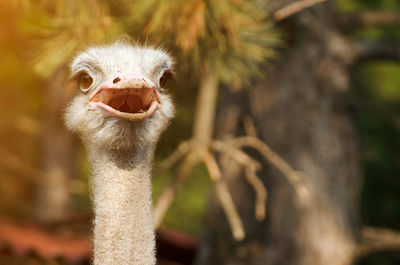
226	42
18	131
299	108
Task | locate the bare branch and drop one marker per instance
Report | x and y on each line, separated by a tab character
370	18
251	166
378	239
168	195
368	50
294	8
270	156
182	149
261	192
249	127
233	152
224	196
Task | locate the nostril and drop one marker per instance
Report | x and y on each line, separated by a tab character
116	80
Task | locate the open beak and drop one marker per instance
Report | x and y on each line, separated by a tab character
134	98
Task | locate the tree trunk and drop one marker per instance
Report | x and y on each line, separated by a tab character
297	112
205	108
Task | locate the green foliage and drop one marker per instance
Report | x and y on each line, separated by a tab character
189	208
372	32
377	90
60	28
233	37
357	5
381	81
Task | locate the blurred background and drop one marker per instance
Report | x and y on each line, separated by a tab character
318	81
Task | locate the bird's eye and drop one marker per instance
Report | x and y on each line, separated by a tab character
84	81
164	78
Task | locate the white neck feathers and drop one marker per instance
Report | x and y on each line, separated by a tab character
123	225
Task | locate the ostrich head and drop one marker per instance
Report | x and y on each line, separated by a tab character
123	101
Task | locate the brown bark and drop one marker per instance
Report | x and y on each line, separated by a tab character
304	123
205	108
378	239
297	110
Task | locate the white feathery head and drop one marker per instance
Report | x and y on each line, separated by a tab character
136	115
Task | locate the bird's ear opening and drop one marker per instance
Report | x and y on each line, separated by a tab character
166	76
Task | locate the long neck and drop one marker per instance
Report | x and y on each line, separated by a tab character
123	225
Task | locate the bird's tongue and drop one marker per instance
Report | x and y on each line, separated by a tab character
125	108
129	103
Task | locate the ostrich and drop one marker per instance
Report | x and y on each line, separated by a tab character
119	115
